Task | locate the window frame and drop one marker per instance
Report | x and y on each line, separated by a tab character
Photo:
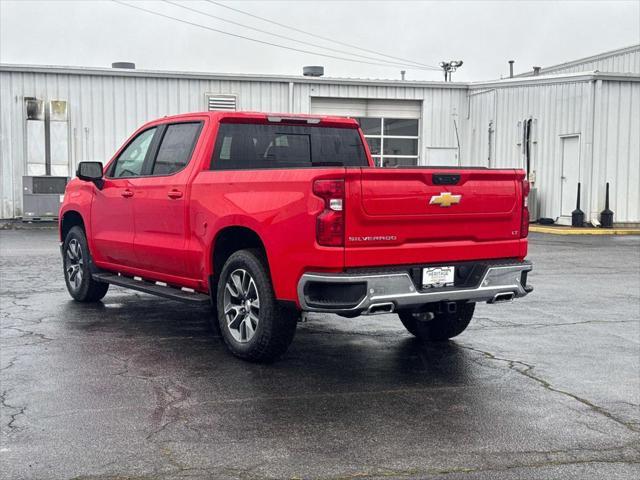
165	127
152	153
112	168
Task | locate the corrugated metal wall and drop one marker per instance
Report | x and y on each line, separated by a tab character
105	110
616	148
609	139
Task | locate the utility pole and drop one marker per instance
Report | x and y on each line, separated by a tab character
449	67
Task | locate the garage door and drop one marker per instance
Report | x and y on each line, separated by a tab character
391	127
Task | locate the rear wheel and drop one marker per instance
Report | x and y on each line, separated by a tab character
443	326
77	272
253	325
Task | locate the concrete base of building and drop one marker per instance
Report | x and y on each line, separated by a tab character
562	230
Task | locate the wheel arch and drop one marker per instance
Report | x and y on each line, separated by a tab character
70	219
229	240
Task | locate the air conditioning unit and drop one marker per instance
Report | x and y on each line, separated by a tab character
41	197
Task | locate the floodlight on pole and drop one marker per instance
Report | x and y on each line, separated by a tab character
449	67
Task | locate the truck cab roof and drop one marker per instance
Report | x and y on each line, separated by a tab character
261	117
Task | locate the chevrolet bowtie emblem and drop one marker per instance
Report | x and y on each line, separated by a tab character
445	199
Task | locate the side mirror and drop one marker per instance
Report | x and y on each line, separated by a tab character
90	172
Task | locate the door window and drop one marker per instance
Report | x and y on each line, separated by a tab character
175	150
131	160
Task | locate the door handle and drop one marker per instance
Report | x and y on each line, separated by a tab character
127	194
175	194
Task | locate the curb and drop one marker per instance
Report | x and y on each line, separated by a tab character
28	225
584	231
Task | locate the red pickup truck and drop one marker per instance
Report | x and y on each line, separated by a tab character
268	216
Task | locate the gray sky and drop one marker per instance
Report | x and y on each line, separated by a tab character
484	34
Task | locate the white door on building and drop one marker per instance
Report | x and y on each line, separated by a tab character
570	175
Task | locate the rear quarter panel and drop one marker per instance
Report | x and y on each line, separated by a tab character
278	204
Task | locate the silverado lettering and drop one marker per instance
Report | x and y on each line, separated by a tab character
386	238
267	216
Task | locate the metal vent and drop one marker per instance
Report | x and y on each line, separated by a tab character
45	185
221	102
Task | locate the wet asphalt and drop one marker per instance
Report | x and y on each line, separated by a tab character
137	387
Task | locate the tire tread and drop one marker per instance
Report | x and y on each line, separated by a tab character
277	325
91	291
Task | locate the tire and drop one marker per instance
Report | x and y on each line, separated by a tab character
442	327
252	323
77	272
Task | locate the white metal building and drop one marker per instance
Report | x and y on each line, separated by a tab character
583	127
575	126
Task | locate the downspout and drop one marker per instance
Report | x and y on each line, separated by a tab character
594	188
291	97
495	124
455	126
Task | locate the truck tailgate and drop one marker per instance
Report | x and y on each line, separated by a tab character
427	215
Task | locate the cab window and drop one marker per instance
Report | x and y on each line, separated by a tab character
176	147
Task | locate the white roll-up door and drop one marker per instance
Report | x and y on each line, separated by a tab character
359	107
391	127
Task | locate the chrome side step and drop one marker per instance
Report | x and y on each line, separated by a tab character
153	288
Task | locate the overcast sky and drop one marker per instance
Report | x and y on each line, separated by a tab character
484	34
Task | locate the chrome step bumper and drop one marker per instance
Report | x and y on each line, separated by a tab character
386	292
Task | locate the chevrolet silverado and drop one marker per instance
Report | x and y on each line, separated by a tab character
268	216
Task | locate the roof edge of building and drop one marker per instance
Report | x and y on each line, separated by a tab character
590	58
557	78
115	72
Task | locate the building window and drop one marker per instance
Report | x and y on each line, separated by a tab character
393	141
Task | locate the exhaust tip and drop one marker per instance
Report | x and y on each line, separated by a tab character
503	297
378	308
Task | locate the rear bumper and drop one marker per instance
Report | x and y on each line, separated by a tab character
383	292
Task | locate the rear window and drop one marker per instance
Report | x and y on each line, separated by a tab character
252	146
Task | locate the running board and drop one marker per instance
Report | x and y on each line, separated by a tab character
153	288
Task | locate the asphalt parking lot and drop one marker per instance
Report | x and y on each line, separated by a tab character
137	387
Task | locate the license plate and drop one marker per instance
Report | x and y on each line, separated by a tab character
437	276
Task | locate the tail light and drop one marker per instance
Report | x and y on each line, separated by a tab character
330	223
524	223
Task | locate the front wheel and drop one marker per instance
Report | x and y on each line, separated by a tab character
443	326
77	272
253	325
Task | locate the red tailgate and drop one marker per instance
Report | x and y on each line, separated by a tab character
420	215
